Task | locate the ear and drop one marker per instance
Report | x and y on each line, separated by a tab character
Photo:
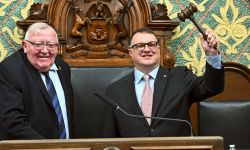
130	52
24	45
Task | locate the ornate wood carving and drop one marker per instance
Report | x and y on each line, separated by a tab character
158	11
103	36
38	12
96	32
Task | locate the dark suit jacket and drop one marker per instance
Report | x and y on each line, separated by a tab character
174	91
26	111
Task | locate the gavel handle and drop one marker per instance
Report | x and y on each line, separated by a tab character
201	30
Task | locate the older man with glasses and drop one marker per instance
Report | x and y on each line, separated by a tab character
36	99
154	91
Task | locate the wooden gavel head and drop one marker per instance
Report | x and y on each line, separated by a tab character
188	12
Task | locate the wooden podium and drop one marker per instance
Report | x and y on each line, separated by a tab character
148	143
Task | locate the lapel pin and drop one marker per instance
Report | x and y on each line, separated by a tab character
164	76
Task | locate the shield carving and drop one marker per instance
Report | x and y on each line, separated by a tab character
97	31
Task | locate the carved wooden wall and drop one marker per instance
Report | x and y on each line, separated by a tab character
96	32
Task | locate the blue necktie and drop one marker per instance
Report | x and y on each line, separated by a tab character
55	102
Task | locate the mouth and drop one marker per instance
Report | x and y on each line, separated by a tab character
146	56
43	58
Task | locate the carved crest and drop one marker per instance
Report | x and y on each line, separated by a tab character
97	30
98	34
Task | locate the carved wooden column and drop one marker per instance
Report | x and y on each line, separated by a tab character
96	32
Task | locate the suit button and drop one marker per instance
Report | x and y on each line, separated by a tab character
151	130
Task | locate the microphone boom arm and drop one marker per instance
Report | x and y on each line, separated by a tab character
158	118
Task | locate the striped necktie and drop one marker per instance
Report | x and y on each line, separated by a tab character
55	102
147	99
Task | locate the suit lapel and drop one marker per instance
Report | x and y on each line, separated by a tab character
159	88
35	75
130	96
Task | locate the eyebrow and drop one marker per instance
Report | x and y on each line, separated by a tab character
143	43
36	42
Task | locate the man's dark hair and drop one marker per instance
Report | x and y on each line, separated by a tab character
141	30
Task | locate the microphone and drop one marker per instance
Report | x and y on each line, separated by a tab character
117	107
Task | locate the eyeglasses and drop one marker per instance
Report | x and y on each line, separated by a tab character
41	45
141	46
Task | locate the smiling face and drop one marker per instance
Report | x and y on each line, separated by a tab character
41	57
149	58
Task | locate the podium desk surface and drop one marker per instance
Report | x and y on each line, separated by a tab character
140	143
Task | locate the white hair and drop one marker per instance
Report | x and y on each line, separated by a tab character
36	28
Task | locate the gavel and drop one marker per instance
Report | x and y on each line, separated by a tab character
187	13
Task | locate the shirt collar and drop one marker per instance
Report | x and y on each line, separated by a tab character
138	74
53	67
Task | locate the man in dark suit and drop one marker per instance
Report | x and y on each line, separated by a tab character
31	106
169	92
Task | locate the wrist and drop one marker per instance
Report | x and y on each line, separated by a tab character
213	52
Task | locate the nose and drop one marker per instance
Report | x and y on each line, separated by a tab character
44	49
146	48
